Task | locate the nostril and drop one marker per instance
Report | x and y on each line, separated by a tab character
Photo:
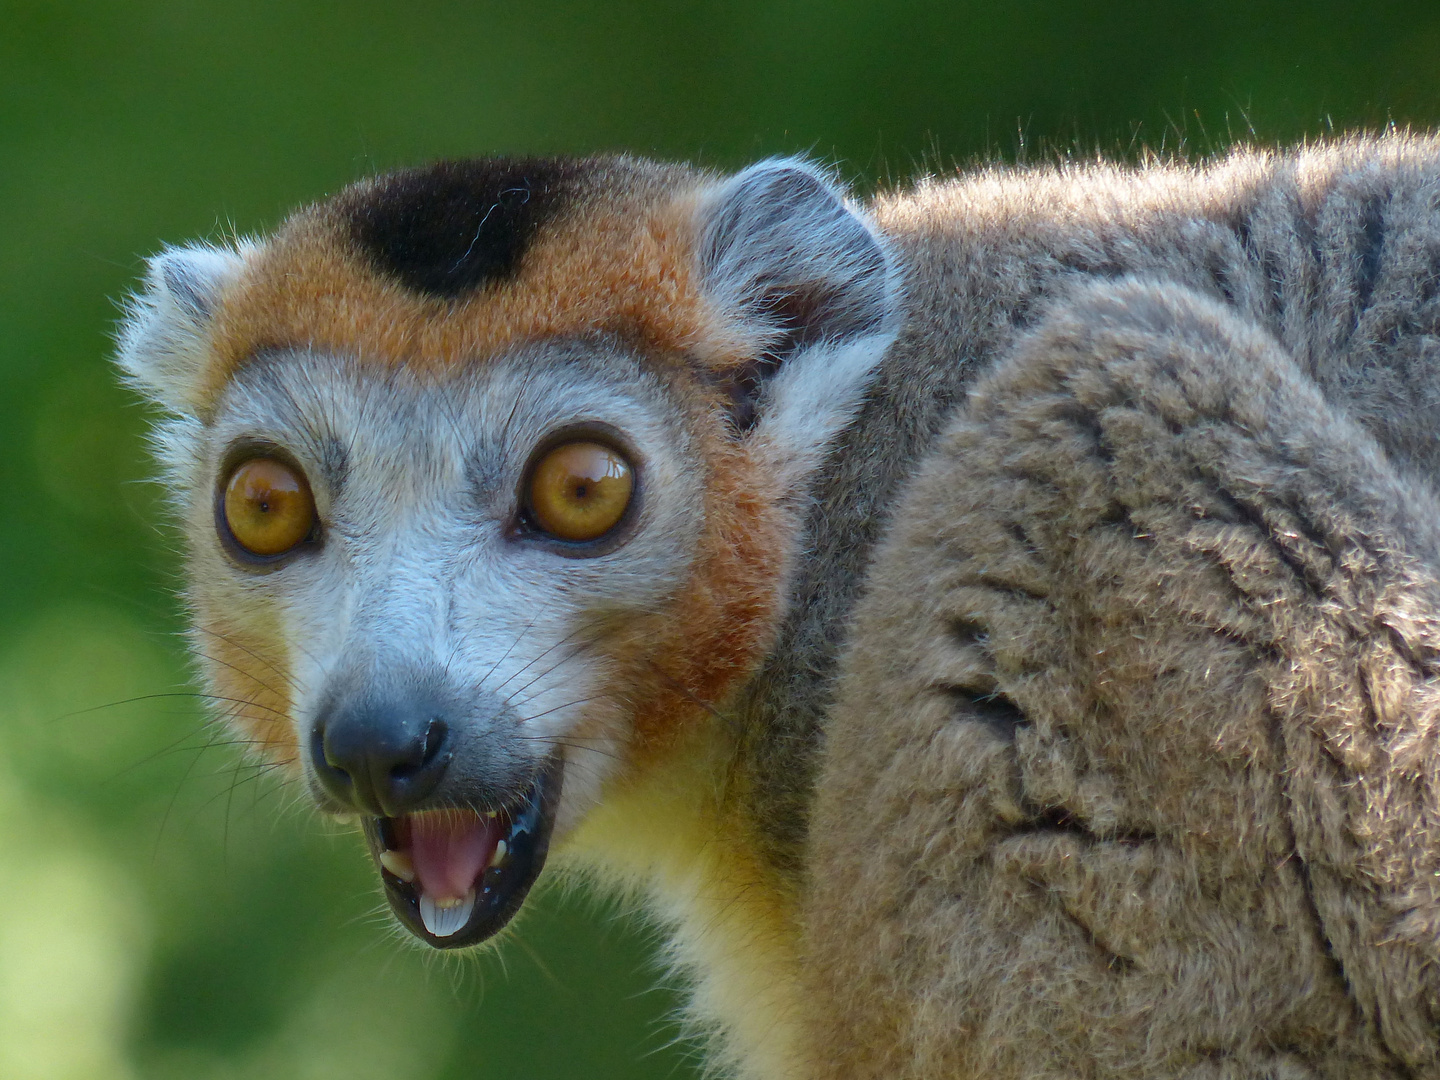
435	733
332	775
430	747
317	749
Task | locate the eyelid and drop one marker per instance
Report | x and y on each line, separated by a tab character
325	464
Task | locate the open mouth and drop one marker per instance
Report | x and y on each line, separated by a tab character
456	876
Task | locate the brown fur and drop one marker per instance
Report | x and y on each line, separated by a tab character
1332	249
1205	839
718	628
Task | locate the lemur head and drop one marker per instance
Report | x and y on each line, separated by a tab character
490	472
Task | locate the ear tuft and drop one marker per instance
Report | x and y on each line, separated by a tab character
781	249
164	337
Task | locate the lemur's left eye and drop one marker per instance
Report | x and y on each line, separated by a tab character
267	507
579	491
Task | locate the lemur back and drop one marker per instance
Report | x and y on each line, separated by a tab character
1294	243
552	488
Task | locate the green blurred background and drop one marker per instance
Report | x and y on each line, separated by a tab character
166	912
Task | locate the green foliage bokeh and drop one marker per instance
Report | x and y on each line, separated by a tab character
167	910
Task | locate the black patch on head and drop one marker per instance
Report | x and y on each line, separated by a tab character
450	227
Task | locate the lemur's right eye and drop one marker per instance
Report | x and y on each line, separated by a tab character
268	508
579	491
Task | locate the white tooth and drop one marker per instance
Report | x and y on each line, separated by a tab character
499	856
399	864
448	916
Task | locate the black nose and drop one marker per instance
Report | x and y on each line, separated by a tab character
381	757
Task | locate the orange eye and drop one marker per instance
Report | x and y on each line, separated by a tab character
268	506
579	491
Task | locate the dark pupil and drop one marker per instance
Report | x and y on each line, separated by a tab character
582	490
264	505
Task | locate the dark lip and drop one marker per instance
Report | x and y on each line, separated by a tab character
500	891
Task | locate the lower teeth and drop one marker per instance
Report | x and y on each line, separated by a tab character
443	921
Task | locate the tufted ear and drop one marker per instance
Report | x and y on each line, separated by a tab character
163	340
803	275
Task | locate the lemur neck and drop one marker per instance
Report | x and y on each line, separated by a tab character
781	710
679	836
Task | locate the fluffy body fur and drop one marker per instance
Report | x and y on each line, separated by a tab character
1025	666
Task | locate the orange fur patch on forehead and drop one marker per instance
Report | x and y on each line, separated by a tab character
617	256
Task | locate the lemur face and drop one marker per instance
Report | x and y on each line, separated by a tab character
459	621
482	506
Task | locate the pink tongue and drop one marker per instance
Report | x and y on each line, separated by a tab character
449	848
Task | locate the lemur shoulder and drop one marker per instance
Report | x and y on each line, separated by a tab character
993	625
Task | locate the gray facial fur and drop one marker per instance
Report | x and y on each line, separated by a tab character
421	579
